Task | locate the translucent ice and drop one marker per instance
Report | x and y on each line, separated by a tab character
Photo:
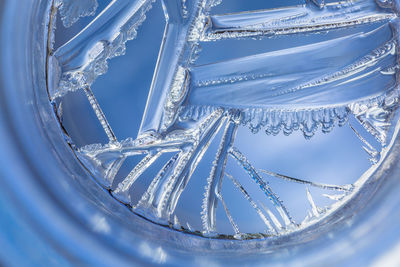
82	59
350	75
71	10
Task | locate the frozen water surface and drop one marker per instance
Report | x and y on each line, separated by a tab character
223	118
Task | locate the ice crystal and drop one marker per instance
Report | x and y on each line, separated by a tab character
71	10
304	88
81	60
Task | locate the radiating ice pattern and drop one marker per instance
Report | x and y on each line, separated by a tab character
351	75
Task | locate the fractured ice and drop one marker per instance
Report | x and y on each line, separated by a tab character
305	87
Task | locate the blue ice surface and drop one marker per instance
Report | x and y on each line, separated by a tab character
122	93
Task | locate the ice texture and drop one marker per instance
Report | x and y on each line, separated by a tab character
305	87
295	20
71	10
82	59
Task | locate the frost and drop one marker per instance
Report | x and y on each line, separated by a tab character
302	88
71	10
253	204
280	207
315	210
375	116
227	212
276	97
372	152
214	181
122	191
177	94
295	20
345	188
82	59
100	115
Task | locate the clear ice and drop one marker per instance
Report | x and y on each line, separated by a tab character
71	10
299	88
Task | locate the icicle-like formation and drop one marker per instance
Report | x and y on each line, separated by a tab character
195	112
277	96
252	203
178	181
104	161
129	147
82	59
162	205
149	195
345	188
247	91
72	10
308	121
228	214
314	208
274	91
375	116
122	191
214	180
242	161
100	115
162	196
275	220
276	121
294	20
103	167
371	151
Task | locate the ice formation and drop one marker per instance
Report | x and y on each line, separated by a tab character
71	10
299	88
